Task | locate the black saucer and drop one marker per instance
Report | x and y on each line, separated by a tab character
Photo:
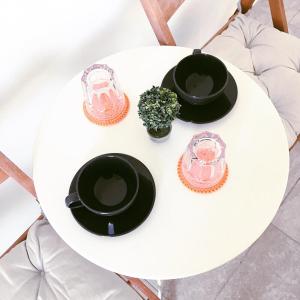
125	222
207	112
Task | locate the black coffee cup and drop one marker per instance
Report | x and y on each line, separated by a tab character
107	185
200	78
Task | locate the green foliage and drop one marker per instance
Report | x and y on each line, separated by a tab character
158	107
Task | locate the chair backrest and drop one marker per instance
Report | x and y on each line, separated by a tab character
160	11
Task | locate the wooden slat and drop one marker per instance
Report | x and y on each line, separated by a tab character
169	7
221	29
11	170
3	176
21	238
297	141
140	287
246	5
18	241
158	22
278	15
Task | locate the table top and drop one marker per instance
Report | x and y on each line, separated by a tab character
187	233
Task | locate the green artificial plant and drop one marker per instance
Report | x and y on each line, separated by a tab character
158	107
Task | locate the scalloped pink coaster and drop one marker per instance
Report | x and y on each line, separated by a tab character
201	190
108	122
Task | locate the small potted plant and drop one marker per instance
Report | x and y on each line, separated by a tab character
158	107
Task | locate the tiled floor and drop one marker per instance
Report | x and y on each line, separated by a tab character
269	269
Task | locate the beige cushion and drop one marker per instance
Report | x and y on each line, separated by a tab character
271	58
45	268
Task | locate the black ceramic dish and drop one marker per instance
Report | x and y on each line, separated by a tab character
106	185
200	78
128	220
209	112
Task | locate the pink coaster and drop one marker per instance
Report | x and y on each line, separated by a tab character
108	122
201	190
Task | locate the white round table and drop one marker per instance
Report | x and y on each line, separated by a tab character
186	233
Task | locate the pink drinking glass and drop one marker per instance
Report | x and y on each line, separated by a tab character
203	163
104	100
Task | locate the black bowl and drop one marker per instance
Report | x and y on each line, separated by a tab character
127	220
209	112
106	185
200	78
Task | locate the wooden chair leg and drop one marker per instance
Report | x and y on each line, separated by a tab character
278	15
139	287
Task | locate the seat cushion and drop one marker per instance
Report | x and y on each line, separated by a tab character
45	268
271	58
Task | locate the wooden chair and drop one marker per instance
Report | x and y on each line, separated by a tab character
9	169
159	13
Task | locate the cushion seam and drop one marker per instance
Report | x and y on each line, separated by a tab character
27	253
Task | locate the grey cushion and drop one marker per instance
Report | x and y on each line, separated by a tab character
271	58
45	268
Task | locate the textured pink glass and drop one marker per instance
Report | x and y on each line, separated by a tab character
203	162
103	97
